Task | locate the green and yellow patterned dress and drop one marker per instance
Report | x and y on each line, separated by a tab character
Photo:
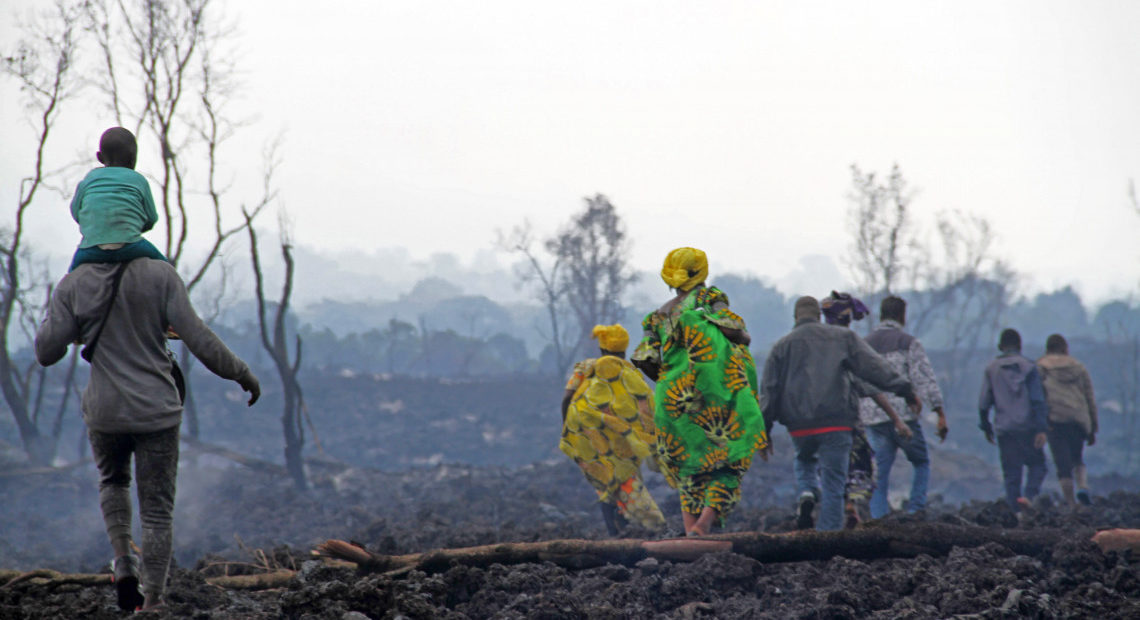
609	431
708	417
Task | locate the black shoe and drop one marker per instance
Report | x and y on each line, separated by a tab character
1083	497
804	521
126	579
610	516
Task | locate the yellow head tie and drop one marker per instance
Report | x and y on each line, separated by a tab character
685	268
612	338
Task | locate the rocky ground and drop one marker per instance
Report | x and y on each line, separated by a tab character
387	483
233	521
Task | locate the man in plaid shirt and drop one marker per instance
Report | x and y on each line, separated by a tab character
907	357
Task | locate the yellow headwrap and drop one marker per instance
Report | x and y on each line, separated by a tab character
611	337
685	268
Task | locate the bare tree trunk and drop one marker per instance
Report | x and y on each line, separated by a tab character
42	66
164	71
291	421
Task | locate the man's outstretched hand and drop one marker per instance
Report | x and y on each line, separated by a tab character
249	383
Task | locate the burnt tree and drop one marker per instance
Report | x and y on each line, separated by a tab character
278	348
581	284
167	71
881	222
42	64
595	249
547	280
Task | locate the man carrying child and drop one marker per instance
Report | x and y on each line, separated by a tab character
131	405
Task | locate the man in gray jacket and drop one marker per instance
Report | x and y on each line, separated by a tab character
1012	386
131	404
806	386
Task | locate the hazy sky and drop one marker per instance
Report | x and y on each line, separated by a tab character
728	126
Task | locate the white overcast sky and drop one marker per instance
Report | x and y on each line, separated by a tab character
728	126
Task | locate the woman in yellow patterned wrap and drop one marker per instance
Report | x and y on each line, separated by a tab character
607	429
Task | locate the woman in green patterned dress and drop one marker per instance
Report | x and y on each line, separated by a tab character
708	417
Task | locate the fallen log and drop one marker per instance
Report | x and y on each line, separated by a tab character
237	457
1118	540
11	578
935	539
51	578
261	581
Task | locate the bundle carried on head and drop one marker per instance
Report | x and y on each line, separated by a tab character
685	268
842	308
613	338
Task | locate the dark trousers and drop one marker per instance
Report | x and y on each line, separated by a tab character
1067	444
156	468
1017	452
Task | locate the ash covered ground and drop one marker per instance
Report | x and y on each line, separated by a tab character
231	520
391	488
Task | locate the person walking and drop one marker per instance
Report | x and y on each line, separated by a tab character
842	309
608	431
1011	385
709	424
906	355
1072	417
807	387
132	404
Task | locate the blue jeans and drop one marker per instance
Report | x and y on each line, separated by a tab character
885	441
823	458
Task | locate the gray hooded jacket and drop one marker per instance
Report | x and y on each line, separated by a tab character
131	388
1012	386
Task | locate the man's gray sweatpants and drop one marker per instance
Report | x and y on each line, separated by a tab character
156	468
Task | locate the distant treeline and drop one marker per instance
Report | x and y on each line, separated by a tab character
435	331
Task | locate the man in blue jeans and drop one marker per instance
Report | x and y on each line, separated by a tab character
907	357
806	386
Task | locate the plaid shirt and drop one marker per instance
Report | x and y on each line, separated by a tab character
907	357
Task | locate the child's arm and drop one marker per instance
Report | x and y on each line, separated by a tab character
148	204
76	202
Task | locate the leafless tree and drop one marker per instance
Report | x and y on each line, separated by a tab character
43	64
547	280
968	292
167	70
885	246
959	288
595	251
581	283
277	346
1123	342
